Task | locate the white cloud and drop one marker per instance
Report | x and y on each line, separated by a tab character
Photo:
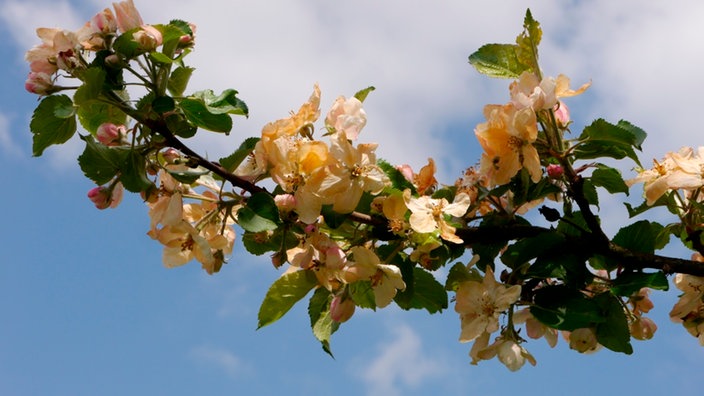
22	18
8	145
221	358
400	364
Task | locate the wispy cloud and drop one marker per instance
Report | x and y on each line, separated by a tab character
222	359
400	364
8	145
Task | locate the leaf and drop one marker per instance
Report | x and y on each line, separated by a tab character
93	114
362	95
188	176
260	213
398	181
498	60
134	173
643	236
613	332
199	114
163	104
93	81
563	308
603	139
528	41
320	320
426	293
100	163
178	81
225	103
283	294
362	294
527	249
628	283
53	122
610	179
459	274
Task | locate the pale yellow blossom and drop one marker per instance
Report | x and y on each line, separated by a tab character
481	303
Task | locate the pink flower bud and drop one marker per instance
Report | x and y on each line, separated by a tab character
562	114
171	155
285	202
110	134
341	308
39	83
104	197
554	171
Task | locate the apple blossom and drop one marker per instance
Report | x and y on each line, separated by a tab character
127	16
428	214
480	304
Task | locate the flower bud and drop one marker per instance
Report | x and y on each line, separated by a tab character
341	308
555	171
148	38
39	83
105	197
285	202
171	155
110	134
562	114
643	328
583	340
104	22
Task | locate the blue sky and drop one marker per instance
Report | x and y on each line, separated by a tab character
88	308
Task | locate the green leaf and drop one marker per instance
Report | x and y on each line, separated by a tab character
178	81
628	283
563	308
398	181
610	179
198	113
234	160
362	95
498	60
613	332
426	293
225	103
134	173
603	139
529	248
53	122
93	81
178	125
362	294
93	114
590	192
163	104
101	163
125	45
643	236
189	176
260	213
320	320
283	294
528	41
459	274
158	57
